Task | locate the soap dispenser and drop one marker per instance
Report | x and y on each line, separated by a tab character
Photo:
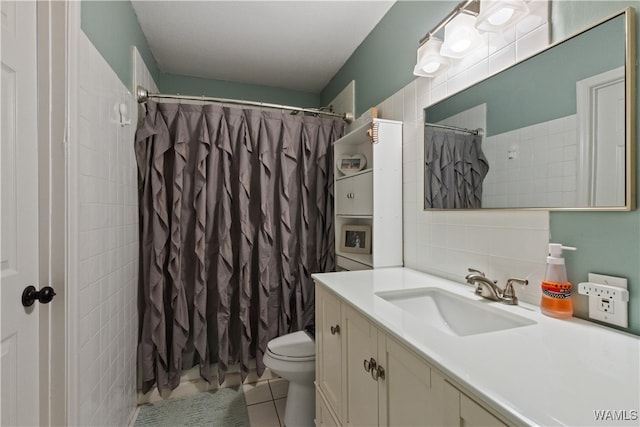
556	289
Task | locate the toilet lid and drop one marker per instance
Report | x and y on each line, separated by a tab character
296	344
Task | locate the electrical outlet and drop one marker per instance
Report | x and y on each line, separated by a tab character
606	305
608	298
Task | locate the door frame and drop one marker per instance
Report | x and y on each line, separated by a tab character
586	98
52	53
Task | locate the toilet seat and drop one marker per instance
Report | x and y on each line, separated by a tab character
294	347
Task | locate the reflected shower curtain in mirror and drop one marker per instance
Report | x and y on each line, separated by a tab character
236	212
454	170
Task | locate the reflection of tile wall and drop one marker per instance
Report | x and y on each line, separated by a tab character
532	167
502	243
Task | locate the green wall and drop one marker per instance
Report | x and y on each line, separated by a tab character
384	61
185	85
112	27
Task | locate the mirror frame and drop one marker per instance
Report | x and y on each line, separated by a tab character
630	120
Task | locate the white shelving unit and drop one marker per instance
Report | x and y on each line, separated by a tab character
372	196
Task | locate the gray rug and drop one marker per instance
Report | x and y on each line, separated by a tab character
222	407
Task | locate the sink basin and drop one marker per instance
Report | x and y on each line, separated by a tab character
452	313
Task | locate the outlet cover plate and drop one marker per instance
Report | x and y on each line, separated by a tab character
617	312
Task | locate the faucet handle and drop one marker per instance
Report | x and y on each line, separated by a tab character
509	293
474	271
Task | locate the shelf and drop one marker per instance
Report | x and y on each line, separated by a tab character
354	216
362	172
356	136
359	134
366	259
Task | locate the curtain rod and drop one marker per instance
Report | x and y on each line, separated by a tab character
479	131
143	96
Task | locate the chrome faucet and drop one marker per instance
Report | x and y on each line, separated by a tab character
489	289
485	287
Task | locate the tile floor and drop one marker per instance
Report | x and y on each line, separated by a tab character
266	401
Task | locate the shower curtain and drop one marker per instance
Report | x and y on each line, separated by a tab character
236	212
455	167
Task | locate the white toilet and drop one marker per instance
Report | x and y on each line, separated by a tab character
293	357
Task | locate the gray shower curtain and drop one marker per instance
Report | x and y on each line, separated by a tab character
236	212
455	167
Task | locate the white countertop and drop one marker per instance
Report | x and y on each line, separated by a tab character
555	372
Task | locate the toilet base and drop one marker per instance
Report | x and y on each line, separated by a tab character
301	405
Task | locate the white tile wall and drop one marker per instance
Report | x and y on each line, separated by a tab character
502	243
534	166
107	242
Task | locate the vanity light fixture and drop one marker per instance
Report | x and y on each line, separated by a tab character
430	62
461	36
428	56
498	15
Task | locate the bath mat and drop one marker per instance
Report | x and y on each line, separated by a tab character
222	407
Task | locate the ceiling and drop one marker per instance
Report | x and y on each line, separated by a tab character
297	45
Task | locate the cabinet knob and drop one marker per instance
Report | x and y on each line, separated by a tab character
370	365
378	372
335	330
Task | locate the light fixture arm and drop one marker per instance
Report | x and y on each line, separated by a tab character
467	6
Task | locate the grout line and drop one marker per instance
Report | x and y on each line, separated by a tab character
275	408
271	391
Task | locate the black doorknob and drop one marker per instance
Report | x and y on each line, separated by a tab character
30	295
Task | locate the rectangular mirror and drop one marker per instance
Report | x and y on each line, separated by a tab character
557	130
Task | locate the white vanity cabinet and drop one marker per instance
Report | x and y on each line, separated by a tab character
365	377
371	196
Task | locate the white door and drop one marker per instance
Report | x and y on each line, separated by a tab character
610	145
601	149
18	214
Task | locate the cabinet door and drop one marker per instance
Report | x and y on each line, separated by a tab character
329	347
460	410
354	195
324	417
472	414
362	196
343	202
361	389
406	388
